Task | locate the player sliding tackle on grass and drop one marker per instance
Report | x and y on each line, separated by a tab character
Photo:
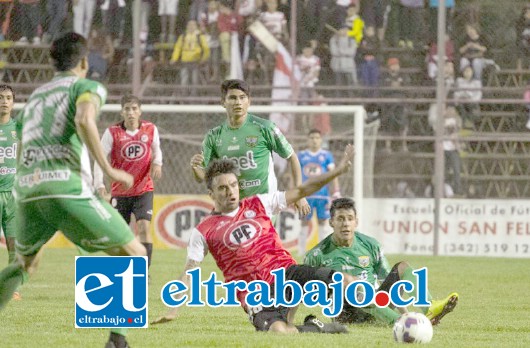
361	256
254	257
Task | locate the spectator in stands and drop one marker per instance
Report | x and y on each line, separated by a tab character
6	7
55	15
451	145
369	66
395	119
433	17
432	56
145	21
83	16
449	77
113	19
30	19
168	10
211	32
101	54
191	50
354	23
196	8
468	92
343	49
374	12
410	26
523	38
527	99
472	51
275	21
228	22
309	65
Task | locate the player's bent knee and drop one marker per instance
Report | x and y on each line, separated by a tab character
282	327
133	248
401	267
29	263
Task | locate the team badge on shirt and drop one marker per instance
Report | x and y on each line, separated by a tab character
144	138
249	214
14	134
364	261
251	140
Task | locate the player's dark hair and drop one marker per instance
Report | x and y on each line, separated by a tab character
342	203
219	167
234	84
129	98
5	87
314	131
68	50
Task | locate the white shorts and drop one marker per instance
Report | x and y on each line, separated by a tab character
168	7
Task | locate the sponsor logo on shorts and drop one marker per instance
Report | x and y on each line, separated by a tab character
111	292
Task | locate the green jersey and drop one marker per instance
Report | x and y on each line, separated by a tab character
8	155
54	161
250	147
364	259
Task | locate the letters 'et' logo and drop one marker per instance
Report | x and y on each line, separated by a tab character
111	292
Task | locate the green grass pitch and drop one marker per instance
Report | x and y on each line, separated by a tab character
493	310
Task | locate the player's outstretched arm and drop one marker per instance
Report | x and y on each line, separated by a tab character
301	206
197	168
315	183
173	312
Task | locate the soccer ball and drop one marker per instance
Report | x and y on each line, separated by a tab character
413	327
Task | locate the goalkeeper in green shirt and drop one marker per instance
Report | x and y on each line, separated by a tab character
349	251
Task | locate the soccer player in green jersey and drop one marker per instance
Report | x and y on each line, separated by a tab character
8	158
57	131
354	253
249	141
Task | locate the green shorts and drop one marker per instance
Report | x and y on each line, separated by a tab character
90	223
7	213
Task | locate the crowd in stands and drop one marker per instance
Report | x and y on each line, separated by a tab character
339	42
363	26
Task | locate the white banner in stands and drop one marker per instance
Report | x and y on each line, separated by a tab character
499	228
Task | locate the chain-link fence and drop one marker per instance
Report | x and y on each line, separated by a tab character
495	153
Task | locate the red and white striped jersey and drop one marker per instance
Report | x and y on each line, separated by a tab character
133	152
243	243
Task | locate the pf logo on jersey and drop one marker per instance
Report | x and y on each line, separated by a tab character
134	151
242	234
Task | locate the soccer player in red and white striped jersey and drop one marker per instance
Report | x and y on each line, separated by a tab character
133	145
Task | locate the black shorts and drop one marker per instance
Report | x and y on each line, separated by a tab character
352	315
141	206
263	317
